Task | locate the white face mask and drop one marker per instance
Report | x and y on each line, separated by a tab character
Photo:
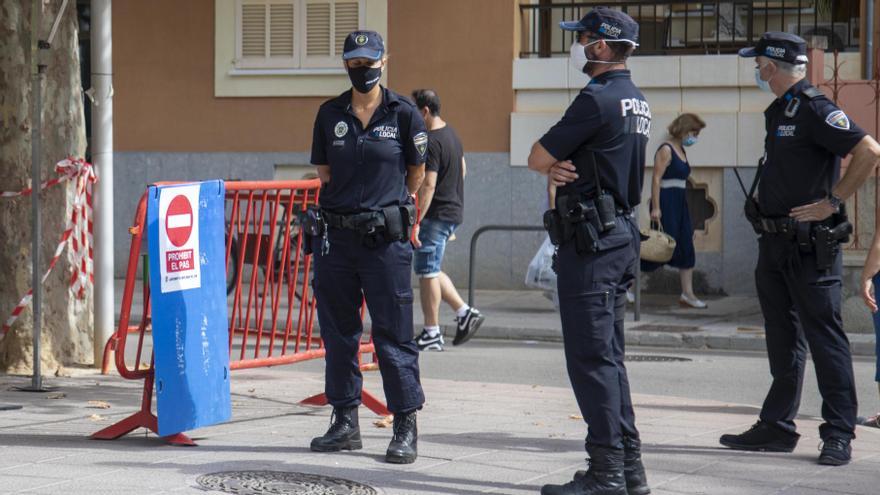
764	85
577	55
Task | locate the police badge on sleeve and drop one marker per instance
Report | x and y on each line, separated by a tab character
838	120
421	142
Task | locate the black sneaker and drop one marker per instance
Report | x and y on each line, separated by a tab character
762	437
467	326
836	451
428	343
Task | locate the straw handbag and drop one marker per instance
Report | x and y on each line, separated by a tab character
659	246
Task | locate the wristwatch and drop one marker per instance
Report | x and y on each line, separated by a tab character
834	201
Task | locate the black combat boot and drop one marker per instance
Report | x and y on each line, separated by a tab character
344	432
633	469
762	437
403	448
605	476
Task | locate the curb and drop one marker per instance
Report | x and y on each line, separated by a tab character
859	344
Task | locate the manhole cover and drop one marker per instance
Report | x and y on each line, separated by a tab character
665	328
281	483
656	358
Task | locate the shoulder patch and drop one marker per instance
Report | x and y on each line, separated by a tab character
812	93
421	142
838	120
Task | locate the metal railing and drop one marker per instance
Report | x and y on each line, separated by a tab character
473	252
864	205
698	27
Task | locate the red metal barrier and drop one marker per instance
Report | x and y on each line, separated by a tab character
272	309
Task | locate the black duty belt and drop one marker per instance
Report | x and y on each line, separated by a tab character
354	221
392	223
778	225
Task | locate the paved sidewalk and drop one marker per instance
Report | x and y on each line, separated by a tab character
729	323
474	438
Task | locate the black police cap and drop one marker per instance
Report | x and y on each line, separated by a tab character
363	44
777	45
607	24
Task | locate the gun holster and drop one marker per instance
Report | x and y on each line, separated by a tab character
313	225
554	227
753	214
582	221
828	236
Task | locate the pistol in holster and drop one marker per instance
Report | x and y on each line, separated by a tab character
313	226
581	221
828	237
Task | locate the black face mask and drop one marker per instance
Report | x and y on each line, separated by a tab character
364	78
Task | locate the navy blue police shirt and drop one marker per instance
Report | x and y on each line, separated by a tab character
807	135
611	119
367	166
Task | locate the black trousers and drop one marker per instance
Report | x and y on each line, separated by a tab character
592	301
801	308
346	275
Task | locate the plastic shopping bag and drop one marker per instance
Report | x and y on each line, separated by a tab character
540	274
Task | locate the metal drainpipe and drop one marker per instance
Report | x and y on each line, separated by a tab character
102	156
869	45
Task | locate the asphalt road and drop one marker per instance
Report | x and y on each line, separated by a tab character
734	377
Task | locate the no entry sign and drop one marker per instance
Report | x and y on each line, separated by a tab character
185	227
179	220
178	238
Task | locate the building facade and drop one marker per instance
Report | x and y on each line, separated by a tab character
229	89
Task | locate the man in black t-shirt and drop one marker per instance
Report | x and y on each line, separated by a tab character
441	202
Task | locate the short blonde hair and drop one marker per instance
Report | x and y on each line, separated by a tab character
685	123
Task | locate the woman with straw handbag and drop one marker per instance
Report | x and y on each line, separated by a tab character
669	207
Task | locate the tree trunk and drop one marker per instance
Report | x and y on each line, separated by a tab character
67	320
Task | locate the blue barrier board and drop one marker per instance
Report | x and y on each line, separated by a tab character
185	231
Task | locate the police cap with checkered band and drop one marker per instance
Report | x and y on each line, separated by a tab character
607	24
777	45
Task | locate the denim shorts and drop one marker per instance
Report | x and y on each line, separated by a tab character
433	235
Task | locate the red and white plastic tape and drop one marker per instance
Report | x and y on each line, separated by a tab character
78	230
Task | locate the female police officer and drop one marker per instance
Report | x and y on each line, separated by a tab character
369	147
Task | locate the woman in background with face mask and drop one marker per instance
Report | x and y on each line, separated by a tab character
669	201
369	147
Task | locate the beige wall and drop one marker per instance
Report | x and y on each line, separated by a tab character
163	63
164	77
463	49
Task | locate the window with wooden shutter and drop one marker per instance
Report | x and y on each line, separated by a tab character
328	22
294	34
346	20
266	34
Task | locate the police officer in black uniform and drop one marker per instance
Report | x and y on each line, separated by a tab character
799	217
369	147
595	156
